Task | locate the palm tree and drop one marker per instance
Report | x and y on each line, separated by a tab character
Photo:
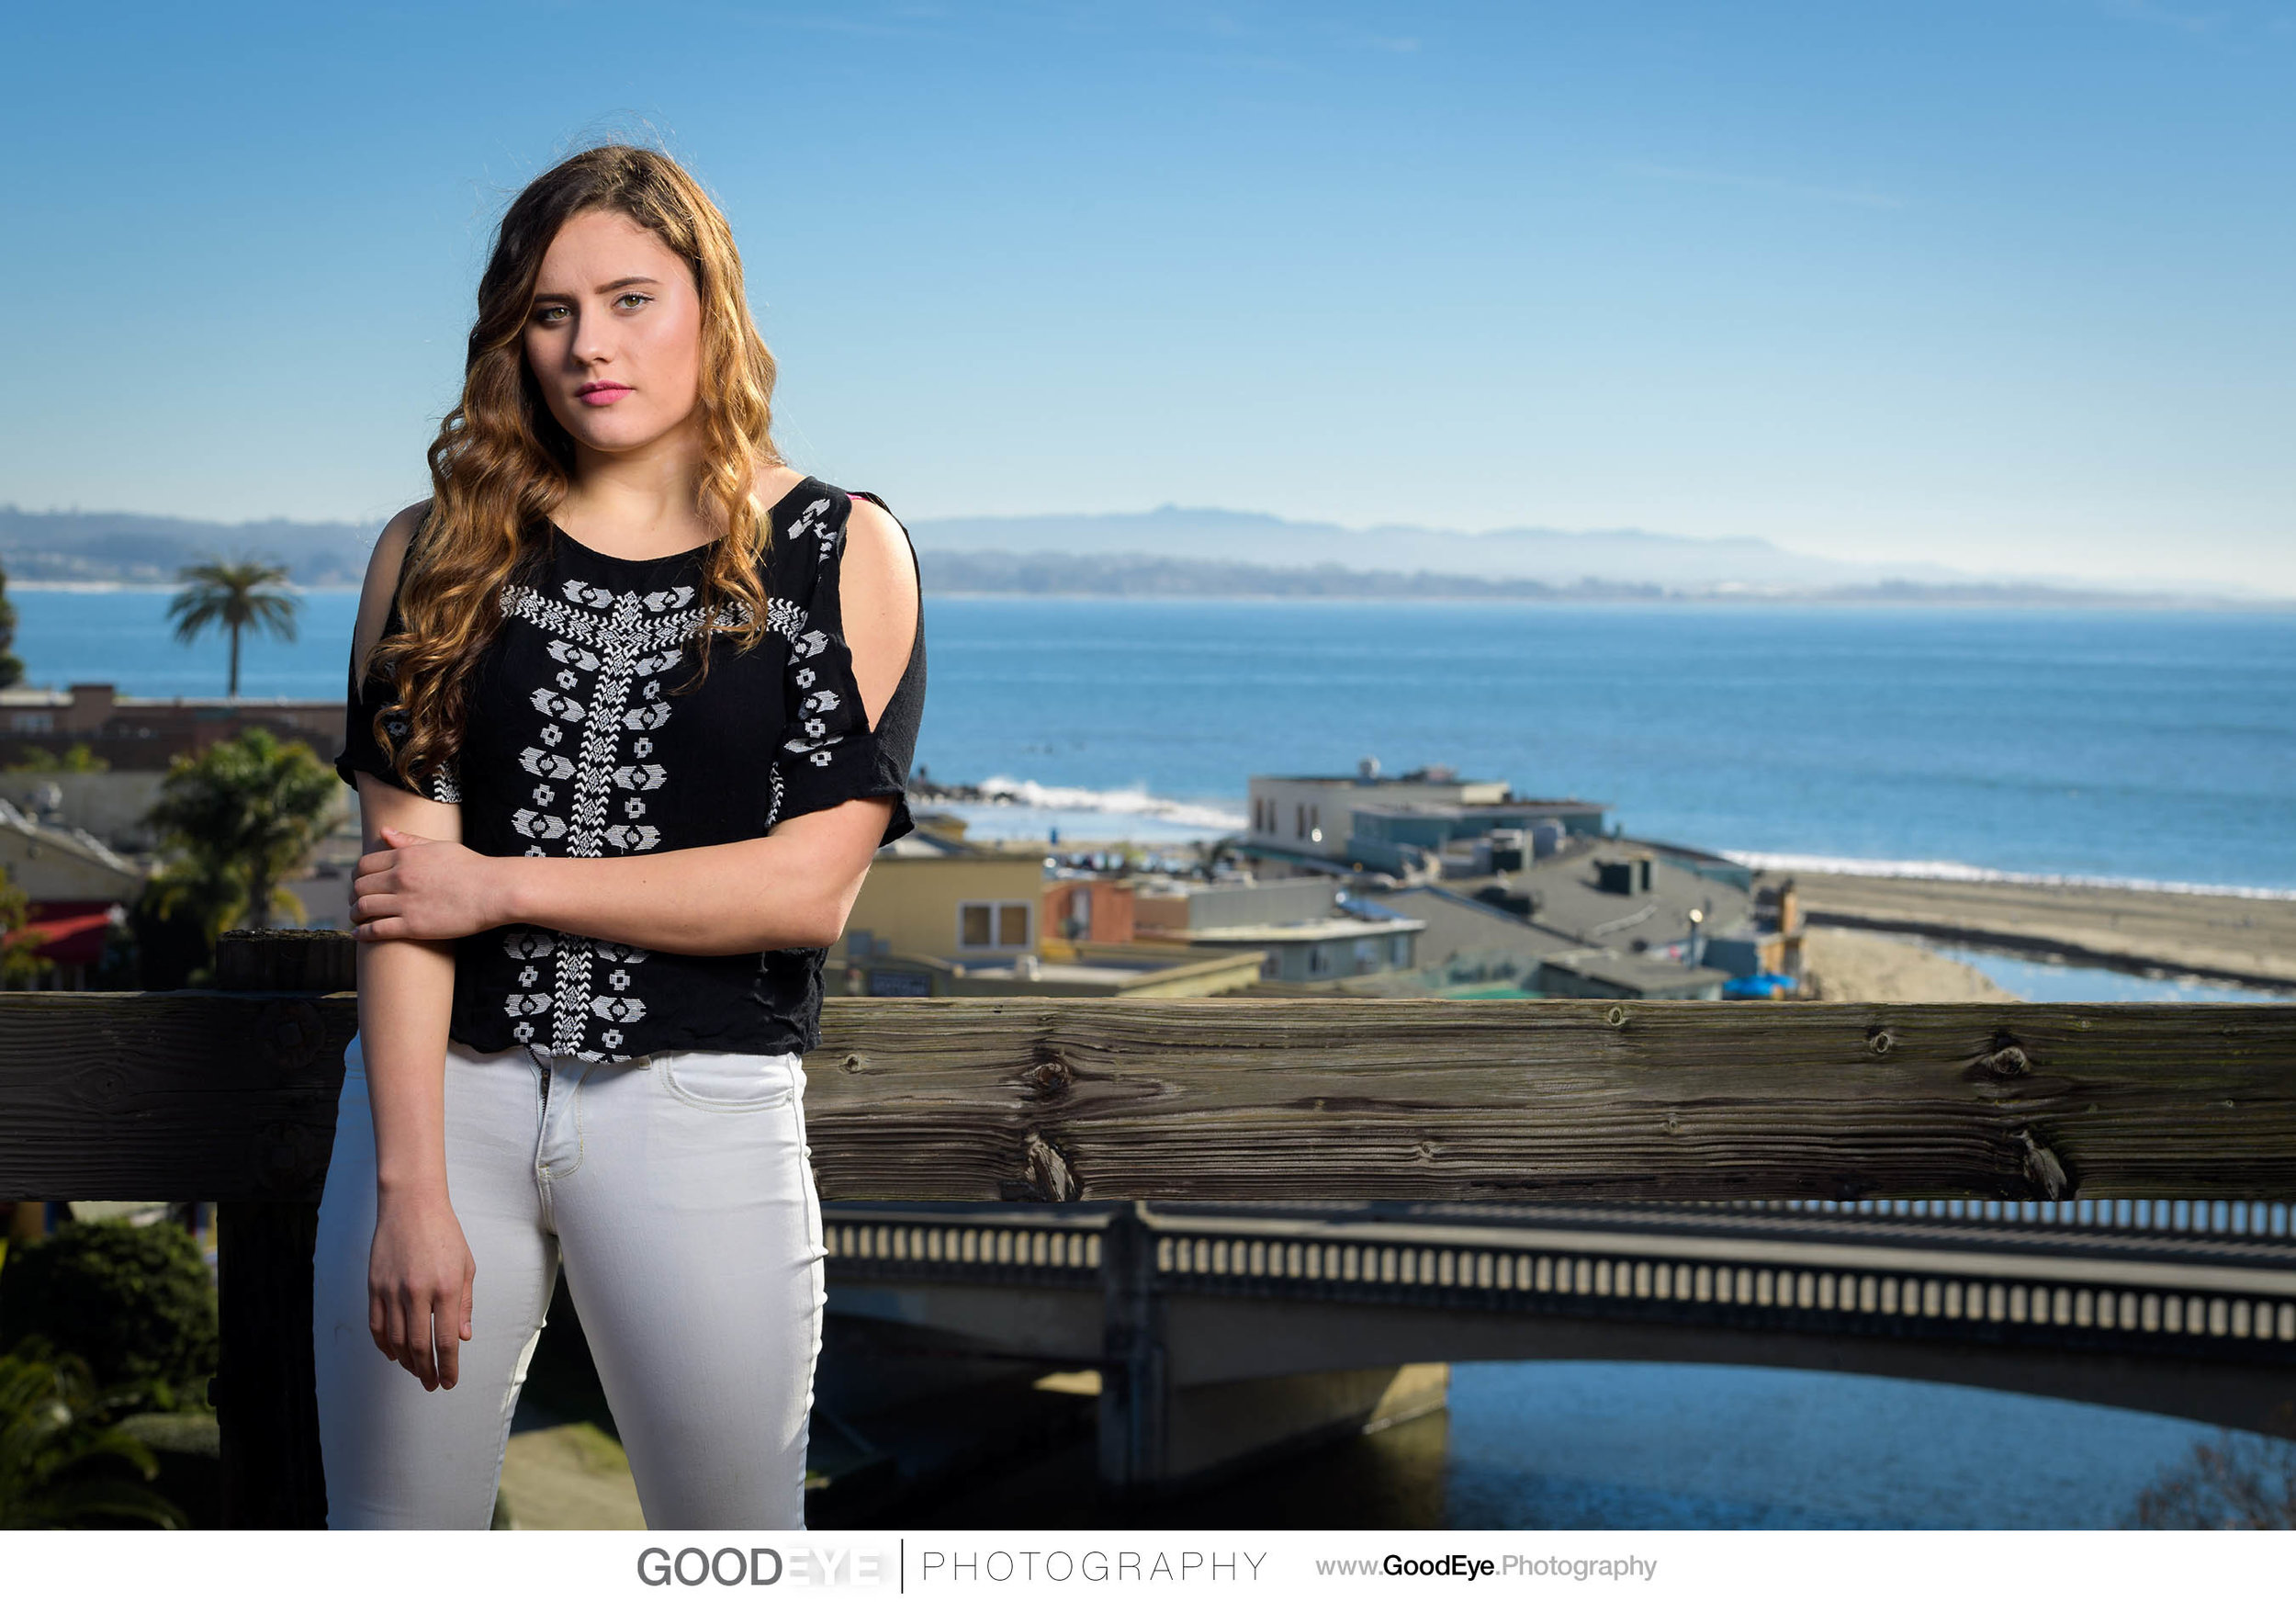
234	595
240	816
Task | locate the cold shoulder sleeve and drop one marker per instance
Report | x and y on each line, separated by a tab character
362	752
829	754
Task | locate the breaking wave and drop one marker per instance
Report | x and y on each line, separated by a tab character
1133	802
1968	874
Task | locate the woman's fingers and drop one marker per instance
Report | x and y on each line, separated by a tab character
394	1335
415	1354
376	900
446	1320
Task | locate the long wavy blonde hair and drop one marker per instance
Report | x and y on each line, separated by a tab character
502	464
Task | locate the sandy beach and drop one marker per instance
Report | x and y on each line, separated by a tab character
1849	964
2231	939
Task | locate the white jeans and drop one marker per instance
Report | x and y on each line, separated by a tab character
678	1190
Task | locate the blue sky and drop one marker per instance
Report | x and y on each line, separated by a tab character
2005	285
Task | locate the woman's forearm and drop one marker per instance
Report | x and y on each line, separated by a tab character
765	894
406	995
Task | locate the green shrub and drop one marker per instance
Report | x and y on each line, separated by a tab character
60	1454
136	1302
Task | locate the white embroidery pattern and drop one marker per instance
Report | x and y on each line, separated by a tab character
607	642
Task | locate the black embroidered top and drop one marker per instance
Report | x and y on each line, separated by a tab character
576	745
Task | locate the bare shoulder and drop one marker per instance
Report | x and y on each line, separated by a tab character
877	596
382	576
875	536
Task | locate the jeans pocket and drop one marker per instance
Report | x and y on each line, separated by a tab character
726	1081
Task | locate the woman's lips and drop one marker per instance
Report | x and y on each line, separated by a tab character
602	394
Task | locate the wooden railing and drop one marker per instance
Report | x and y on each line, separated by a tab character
228	1095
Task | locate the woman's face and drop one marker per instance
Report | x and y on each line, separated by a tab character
615	337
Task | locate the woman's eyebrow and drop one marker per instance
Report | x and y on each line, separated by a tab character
541	295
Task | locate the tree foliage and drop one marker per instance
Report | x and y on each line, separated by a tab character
238	819
57	1441
136	1302
21	965
11	666
80	757
2236	1482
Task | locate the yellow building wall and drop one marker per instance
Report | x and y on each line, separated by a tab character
910	904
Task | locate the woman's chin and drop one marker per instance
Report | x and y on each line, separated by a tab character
616	436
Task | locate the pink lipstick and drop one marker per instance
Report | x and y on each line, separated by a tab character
601	394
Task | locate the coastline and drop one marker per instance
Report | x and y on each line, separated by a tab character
2157	933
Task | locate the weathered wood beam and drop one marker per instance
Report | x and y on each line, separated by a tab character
1329	1098
217	1095
121	1096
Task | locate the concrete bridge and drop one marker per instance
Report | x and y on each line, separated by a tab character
1224	1332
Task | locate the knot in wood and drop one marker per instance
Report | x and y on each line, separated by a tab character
1879	1041
854	1063
1048	1078
290	1033
2007	1061
1616	1018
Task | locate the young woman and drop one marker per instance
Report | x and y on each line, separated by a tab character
633	704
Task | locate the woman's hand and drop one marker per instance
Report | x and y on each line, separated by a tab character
418	1288
419	888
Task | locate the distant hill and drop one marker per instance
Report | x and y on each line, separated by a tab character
1172	550
1054	573
1626	556
137	549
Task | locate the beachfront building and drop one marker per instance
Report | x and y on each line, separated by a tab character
144	733
941	916
1398	824
79	890
1304	928
1766	945
1468	944
1623	976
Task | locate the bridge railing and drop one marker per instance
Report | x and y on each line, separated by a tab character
2179	1216
230	1095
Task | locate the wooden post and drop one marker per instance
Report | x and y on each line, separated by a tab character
266	1391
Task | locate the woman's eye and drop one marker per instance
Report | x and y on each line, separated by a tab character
548	313
631	301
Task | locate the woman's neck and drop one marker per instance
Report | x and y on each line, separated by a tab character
638	503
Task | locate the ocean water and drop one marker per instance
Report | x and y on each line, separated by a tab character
2147	745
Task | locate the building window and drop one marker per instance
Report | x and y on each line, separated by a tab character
1401	944
1300	820
992	925
1319	960
1367	955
